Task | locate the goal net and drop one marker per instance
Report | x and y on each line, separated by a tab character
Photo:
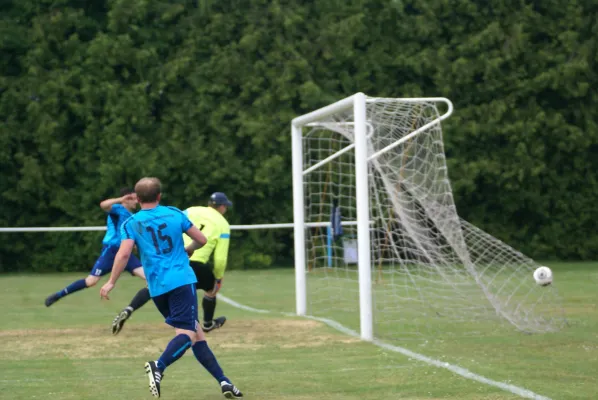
428	270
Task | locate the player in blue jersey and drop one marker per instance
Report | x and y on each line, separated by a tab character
118	209
158	233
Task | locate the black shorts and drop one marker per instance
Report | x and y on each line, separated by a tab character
204	274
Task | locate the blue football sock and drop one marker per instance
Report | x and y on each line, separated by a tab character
175	350
72	288
206	358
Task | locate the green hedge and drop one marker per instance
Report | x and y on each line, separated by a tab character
94	95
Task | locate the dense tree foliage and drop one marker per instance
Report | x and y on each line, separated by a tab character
94	95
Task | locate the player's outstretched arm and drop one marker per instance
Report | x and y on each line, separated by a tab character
120	262
107	204
199	240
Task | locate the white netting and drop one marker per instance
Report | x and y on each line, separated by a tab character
431	270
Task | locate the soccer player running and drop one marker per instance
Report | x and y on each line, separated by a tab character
215	227
158	233
118	209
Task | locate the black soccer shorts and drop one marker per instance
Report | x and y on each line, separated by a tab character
204	274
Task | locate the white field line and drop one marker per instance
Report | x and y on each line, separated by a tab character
519	391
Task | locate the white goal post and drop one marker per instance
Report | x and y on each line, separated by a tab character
357	103
380	162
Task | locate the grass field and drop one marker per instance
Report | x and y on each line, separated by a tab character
68	352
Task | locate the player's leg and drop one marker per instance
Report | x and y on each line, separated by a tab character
102	266
137	271
206	358
205	281
85	283
142	296
178	312
208	304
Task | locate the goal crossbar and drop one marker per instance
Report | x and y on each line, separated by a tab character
341	106
422	128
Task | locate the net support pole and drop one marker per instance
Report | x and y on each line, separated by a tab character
363	217
299	221
329	245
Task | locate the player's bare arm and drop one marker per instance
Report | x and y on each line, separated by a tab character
199	240
120	262
107	204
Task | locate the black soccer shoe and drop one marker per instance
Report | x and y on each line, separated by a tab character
216	323
51	299
230	391
155	376
119	321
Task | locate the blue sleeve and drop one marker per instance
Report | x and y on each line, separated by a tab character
117	209
185	223
125	231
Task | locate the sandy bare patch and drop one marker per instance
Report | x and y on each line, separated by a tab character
93	342
146	340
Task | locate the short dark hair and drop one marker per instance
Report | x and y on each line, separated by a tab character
148	189
126	190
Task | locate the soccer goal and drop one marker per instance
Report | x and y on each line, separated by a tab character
379	245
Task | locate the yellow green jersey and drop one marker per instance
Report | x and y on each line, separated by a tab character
217	230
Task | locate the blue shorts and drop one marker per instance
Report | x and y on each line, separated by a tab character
104	263
179	307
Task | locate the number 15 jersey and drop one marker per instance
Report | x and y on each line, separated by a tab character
158	234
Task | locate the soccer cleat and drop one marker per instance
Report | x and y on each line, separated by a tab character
216	323
155	376
230	391
119	321
51	299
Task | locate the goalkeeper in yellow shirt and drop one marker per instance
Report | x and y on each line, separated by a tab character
211	222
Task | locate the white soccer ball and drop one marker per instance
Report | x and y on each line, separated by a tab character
543	276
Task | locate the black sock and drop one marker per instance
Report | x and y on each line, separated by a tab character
209	305
142	297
